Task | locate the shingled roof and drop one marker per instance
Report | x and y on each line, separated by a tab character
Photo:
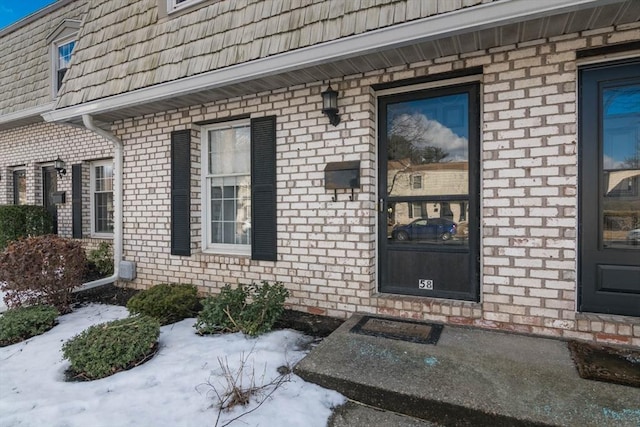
127	45
25	75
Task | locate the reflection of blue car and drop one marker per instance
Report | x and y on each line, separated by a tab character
425	229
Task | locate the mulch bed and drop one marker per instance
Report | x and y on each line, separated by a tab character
602	363
310	324
107	294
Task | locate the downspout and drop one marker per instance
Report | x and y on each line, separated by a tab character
87	120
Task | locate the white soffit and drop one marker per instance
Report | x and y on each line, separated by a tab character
461	21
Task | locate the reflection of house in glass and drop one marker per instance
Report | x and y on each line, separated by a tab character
621	205
428	183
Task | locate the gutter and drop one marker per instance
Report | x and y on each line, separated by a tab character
464	20
118	155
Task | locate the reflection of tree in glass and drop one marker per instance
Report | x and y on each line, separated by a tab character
410	138
408	143
402	149
633	161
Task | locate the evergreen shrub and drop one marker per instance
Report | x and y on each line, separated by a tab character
167	302
17	221
21	323
252	309
108	348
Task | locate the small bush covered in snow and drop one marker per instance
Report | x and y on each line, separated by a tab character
167	302
252	309
102	350
21	323
41	270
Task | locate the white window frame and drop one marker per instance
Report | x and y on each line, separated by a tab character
92	192
207	247
65	33
416	179
56	58
174	6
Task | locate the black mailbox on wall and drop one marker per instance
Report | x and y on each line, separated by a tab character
342	175
59	197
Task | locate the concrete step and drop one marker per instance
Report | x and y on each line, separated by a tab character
471	377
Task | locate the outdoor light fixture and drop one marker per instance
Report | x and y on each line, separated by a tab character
60	167
330	105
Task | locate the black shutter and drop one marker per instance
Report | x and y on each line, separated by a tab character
181	192
76	201
263	189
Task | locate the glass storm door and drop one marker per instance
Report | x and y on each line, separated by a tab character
50	186
609	276
428	186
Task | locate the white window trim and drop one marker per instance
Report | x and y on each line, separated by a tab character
173	7
66	31
92	209
54	60
212	248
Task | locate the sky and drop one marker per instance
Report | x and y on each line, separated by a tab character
172	389
12	11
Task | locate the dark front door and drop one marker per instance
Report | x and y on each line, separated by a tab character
428	186
50	186
609	143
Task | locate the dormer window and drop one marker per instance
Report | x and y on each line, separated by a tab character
61	42
63	59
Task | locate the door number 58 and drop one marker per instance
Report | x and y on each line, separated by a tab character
425	284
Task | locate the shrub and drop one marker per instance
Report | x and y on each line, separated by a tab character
18	221
108	348
252	309
41	270
101	259
167	302
22	323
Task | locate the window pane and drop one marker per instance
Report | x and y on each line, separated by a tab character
104	178
621	166
428	146
230	210
229	151
103	198
64	54
103	212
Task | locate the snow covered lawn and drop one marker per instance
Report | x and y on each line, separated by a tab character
169	390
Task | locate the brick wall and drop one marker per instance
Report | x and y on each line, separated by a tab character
35	146
327	250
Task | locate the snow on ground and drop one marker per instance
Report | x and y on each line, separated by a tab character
169	390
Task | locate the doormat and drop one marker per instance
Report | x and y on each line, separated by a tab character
601	363
404	330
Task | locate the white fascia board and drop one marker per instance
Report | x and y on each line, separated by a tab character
25	114
461	21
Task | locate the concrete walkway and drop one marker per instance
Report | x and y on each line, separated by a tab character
471	377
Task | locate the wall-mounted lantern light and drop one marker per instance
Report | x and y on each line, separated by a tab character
60	167
330	105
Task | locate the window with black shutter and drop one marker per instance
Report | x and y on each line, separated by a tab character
239	188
